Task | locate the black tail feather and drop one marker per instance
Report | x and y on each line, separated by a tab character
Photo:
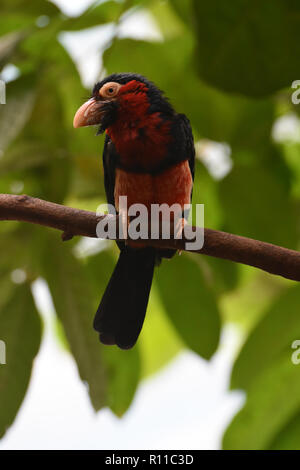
120	316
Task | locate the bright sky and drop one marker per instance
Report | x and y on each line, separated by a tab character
185	406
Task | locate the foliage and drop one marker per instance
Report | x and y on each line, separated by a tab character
228	66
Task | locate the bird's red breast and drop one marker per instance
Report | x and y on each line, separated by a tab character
171	186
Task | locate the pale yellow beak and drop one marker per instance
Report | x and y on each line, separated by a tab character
89	114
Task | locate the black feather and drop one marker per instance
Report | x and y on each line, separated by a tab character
120	316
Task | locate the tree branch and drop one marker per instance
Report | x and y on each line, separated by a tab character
271	258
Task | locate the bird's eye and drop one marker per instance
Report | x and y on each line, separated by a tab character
109	90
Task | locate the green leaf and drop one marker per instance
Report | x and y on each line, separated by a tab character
13	22
253	123
288	438
224	274
159	341
18	15
20	329
166	19
257	205
269	339
44	141
183	10
272	401
205	191
20	97
291	153
72	299
34	7
95	15
8	45
246	304
190	304
251	46
123	372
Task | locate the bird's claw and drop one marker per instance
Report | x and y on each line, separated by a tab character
179	229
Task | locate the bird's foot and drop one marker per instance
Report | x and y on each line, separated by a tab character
179	229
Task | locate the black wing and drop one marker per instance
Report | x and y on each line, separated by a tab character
110	158
188	148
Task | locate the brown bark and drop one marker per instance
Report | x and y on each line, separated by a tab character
271	258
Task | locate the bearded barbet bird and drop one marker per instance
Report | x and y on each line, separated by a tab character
149	157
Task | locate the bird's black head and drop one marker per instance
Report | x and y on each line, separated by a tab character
122	96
